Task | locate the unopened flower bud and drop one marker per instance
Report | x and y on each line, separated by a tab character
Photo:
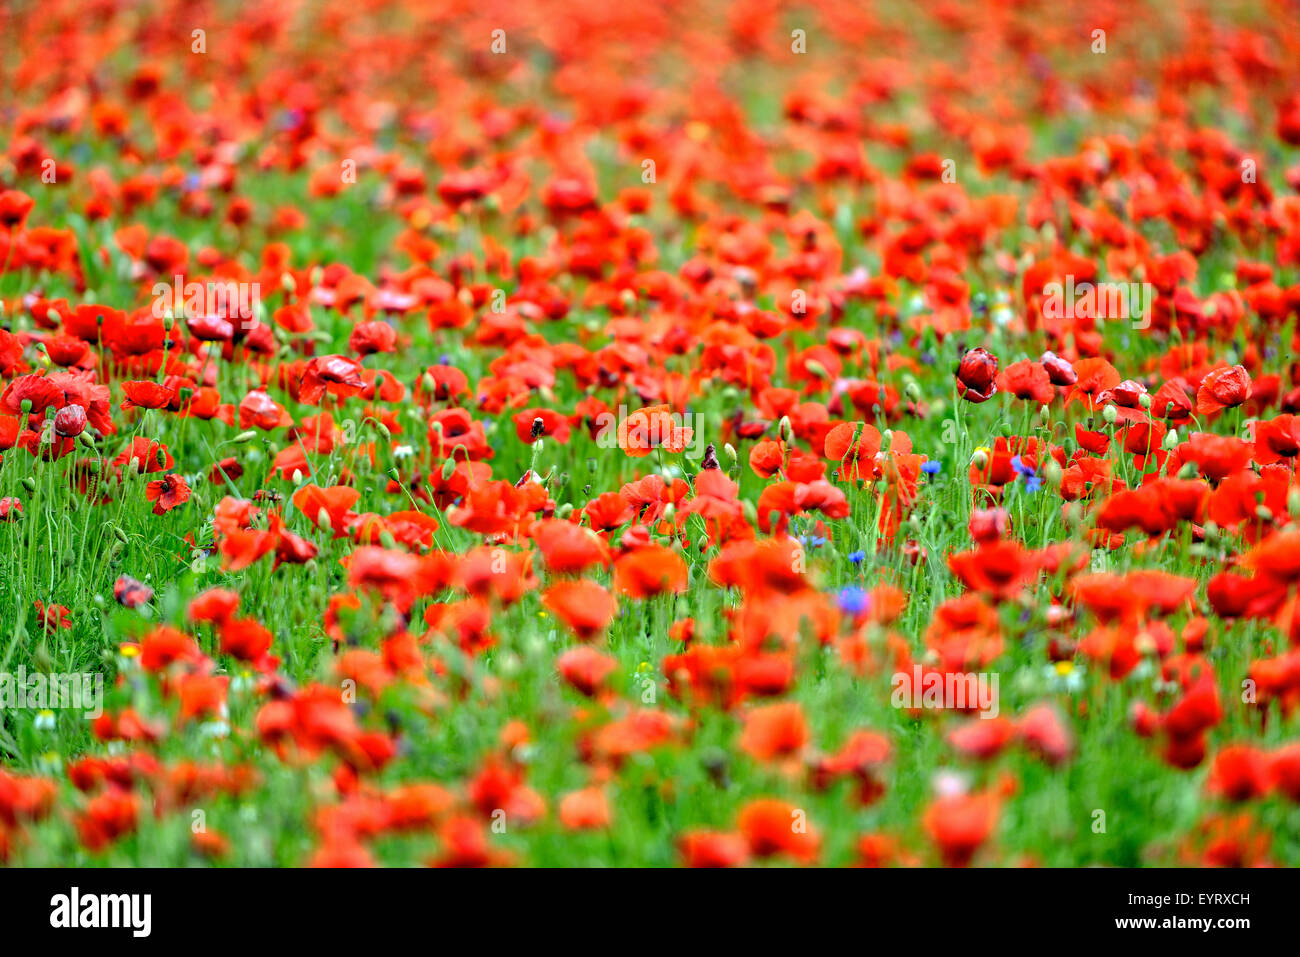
70	421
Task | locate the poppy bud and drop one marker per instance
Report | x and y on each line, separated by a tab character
730	451
987	524
1059	371
70	421
1171	440
913	390
1293	503
243	437
1053	472
979	459
977	375
1129	393
1110	414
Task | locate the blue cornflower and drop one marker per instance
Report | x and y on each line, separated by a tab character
857	557
853	600
931	467
1032	482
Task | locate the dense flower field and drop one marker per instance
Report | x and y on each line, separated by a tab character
728	433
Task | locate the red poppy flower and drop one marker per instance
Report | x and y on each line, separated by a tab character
167	493
1222	388
583	606
976	375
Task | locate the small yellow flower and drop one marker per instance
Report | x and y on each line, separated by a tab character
1064	667
129	651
